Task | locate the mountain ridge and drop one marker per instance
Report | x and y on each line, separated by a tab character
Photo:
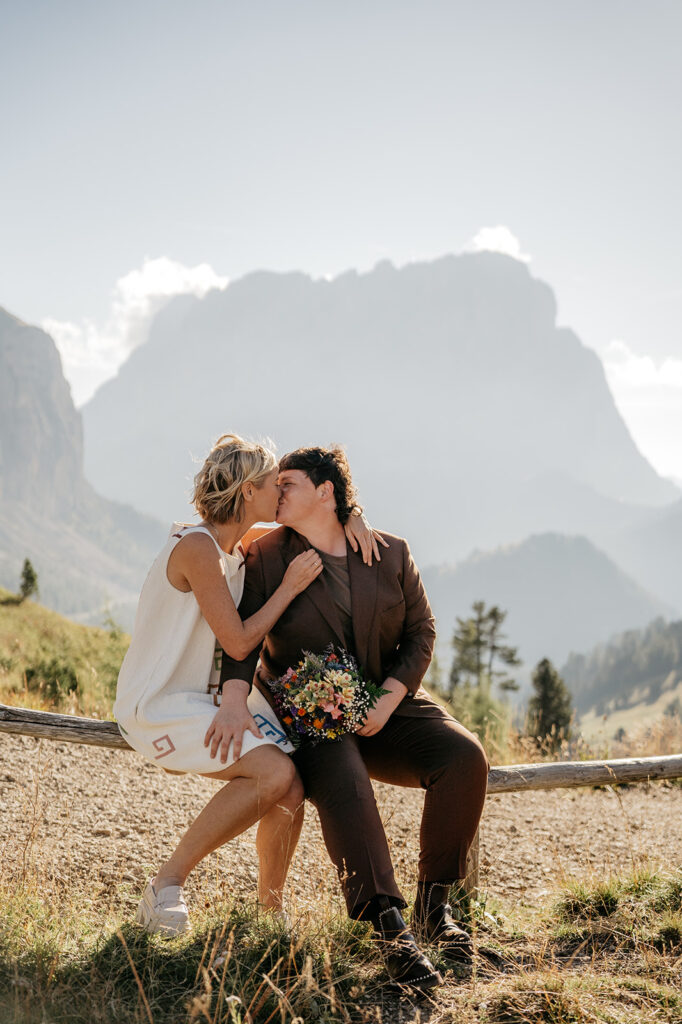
562	594
454	368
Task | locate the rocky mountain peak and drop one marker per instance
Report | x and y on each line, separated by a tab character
41	434
449	382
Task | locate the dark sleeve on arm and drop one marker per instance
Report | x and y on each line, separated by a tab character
419	630
253	598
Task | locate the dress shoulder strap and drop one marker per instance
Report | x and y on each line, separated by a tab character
180	530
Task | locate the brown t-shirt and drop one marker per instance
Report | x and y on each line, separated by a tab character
337	578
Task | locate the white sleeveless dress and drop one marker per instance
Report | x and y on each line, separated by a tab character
169	676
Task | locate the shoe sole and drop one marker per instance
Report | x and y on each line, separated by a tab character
424	984
462	957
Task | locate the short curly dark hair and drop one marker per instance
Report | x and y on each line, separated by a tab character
320	464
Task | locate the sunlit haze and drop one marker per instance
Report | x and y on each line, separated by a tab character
157	150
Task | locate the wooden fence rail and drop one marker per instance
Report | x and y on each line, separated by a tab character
511	778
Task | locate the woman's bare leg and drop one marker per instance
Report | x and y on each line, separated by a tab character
276	842
255	782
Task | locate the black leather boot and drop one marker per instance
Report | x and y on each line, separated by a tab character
433	922
407	966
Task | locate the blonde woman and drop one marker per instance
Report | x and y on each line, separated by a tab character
166	704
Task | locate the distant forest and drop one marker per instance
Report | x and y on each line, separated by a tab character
634	667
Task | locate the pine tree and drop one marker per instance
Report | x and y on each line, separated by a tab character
479	650
498	651
29	580
550	709
468	641
479	647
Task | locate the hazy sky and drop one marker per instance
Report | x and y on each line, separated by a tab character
150	147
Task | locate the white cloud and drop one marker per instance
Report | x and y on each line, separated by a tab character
649	397
92	353
498	239
639	374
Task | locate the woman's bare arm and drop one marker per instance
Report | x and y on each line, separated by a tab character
195	565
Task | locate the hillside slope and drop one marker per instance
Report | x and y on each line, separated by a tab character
48	661
560	592
633	668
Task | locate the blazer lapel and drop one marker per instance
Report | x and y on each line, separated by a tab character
364	581
317	593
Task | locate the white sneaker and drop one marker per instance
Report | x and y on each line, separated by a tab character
164	911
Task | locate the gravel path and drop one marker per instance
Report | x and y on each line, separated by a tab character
95	815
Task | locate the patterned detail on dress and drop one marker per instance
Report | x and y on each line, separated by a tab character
269	730
160	743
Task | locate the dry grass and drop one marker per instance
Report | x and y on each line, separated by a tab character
62	959
662	737
601	948
605	951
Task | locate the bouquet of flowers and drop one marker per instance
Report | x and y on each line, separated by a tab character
324	697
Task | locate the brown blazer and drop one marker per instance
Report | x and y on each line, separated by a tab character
393	625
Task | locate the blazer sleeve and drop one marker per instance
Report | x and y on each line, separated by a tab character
419	630
253	598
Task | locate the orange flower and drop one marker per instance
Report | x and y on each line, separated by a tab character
287	686
318	723
294	678
288	720
301	712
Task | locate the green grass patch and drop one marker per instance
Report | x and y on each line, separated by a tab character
535	999
50	663
646	891
620	914
600	900
553	998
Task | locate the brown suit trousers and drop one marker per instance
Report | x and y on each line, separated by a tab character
420	745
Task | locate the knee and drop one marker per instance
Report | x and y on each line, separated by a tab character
276	775
273	788
295	795
463	758
479	766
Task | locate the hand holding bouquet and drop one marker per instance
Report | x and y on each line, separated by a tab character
324	697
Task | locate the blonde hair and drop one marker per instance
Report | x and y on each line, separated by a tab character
231	463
